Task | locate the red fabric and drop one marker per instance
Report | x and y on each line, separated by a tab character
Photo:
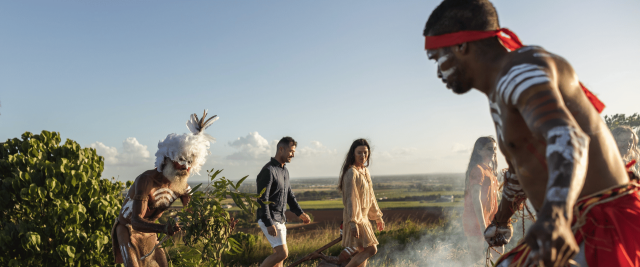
509	39
633	161
480	175
612	233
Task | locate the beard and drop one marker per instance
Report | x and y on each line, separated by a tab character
178	178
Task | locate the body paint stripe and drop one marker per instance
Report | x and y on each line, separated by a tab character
510	86
496	119
526	85
163	190
512	72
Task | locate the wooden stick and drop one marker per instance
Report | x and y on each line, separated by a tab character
325	247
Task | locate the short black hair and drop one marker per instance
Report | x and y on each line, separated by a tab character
462	15
286	141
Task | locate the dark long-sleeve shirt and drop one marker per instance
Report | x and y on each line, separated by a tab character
275	178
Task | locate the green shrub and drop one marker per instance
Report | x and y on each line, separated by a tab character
54	208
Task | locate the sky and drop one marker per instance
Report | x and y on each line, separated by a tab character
120	75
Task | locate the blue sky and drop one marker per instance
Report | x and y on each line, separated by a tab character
121	75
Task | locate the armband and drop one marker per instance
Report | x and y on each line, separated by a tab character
141	197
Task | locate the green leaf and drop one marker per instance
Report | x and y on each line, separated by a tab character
194	189
240	182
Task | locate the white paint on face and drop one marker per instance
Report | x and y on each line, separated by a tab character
445	73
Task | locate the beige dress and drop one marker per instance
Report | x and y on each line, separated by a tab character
360	206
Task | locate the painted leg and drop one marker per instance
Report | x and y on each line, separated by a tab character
129	255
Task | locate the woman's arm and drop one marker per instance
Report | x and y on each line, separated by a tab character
476	196
351	200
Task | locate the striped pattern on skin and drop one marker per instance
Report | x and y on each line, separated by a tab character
512	187
351	251
518	79
127	209
125	254
164	196
495	115
567	148
542	108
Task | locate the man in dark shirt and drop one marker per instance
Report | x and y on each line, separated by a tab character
274	179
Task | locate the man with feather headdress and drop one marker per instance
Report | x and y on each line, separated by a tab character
134	232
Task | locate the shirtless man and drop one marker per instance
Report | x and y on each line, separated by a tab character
549	132
153	192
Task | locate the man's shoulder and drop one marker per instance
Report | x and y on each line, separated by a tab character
528	56
147	179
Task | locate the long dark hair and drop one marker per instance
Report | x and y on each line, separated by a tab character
351	158
476	159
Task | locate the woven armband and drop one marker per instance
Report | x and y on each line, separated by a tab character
512	189
140	197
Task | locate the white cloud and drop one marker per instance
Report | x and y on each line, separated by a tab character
396	153
133	153
316	149
460	148
255	147
250	147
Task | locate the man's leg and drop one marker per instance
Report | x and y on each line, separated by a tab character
160	257
280	253
360	259
129	255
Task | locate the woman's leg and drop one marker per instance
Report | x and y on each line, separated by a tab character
360	259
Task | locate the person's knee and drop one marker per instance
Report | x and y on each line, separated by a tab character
282	253
372	250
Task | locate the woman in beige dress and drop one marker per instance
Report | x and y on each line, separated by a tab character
360	204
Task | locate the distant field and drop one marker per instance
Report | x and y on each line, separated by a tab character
396	193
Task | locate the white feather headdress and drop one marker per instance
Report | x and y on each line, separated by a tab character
193	146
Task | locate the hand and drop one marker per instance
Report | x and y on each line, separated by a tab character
551	241
380	225
498	234
315	255
232	223
354	232
305	218
171	228
272	230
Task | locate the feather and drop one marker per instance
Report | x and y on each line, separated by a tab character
198	125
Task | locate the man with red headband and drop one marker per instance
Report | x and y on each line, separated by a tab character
561	154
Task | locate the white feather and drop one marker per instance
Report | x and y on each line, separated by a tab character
192	124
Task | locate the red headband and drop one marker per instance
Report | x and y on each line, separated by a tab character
509	39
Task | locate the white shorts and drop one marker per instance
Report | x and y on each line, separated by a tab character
278	240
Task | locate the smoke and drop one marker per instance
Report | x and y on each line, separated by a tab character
442	244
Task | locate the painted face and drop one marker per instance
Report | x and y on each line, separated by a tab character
362	154
448	70
624	141
183	163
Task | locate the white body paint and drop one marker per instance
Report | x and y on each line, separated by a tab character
572	144
495	115
557	194
127	209
445	73
164	197
518	79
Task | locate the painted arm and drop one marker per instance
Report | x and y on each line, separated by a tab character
500	231
542	107
139	207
